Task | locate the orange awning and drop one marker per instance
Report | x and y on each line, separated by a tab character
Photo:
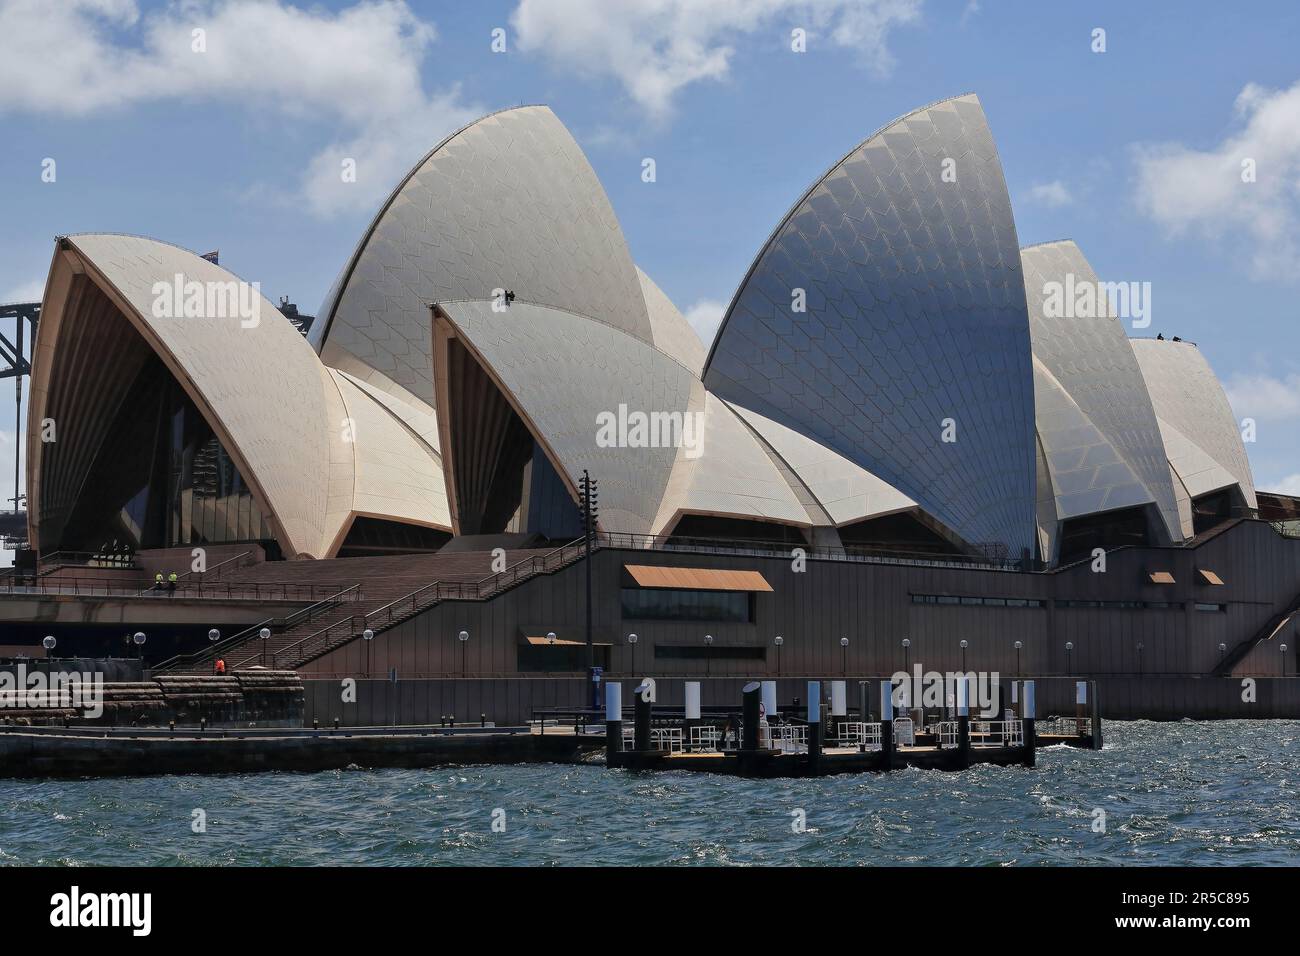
697	579
1208	576
560	642
1161	577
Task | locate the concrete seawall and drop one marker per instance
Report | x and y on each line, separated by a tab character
50	752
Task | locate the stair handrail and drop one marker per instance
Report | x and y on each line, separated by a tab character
444	590
296	617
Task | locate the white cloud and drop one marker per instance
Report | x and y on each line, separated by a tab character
1052	195
1202	192
705	316
1265	397
1290	485
31	291
359	68
655	48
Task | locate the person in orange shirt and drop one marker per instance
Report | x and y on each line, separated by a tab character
220	667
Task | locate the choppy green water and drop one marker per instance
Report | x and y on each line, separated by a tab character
1188	793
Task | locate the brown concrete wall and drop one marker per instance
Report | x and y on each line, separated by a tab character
871	604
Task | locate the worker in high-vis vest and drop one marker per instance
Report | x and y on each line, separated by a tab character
171	581
157	581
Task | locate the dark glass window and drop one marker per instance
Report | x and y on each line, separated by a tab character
680	605
731	652
1210	607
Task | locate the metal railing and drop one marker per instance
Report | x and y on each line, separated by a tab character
860	734
768	549
351	593
210	574
1064	726
123	561
661	738
226	590
997	733
396	611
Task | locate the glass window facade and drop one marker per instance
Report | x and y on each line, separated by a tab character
178	487
672	605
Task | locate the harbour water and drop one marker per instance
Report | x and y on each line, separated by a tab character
1224	793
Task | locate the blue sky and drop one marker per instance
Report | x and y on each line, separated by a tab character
1132	152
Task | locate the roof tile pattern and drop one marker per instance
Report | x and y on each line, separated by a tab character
915	314
509	202
1092	394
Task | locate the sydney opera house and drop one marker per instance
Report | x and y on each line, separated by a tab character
894	398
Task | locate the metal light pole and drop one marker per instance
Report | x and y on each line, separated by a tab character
708	655
1283	650
367	635
588	499
1223	649
265	635
844	656
631	639
963	645
463	637
1069	661
907	643
778	642
1019	644
48	643
139	638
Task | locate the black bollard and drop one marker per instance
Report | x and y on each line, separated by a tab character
1027	708
613	720
752	692
1096	715
814	724
887	724
641	721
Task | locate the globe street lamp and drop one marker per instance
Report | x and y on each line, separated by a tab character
631	640
463	637
368	635
1019	645
139	638
214	635
48	643
708	654
844	654
1223	649
907	643
778	641
265	635
1283	650
1069	667
963	645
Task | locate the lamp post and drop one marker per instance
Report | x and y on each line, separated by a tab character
139	638
963	645
368	635
778	642
631	640
1283	650
907	643
1223	649
708	655
1019	645
844	656
1139	650
265	635
1069	666
48	643
214	635
463	637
